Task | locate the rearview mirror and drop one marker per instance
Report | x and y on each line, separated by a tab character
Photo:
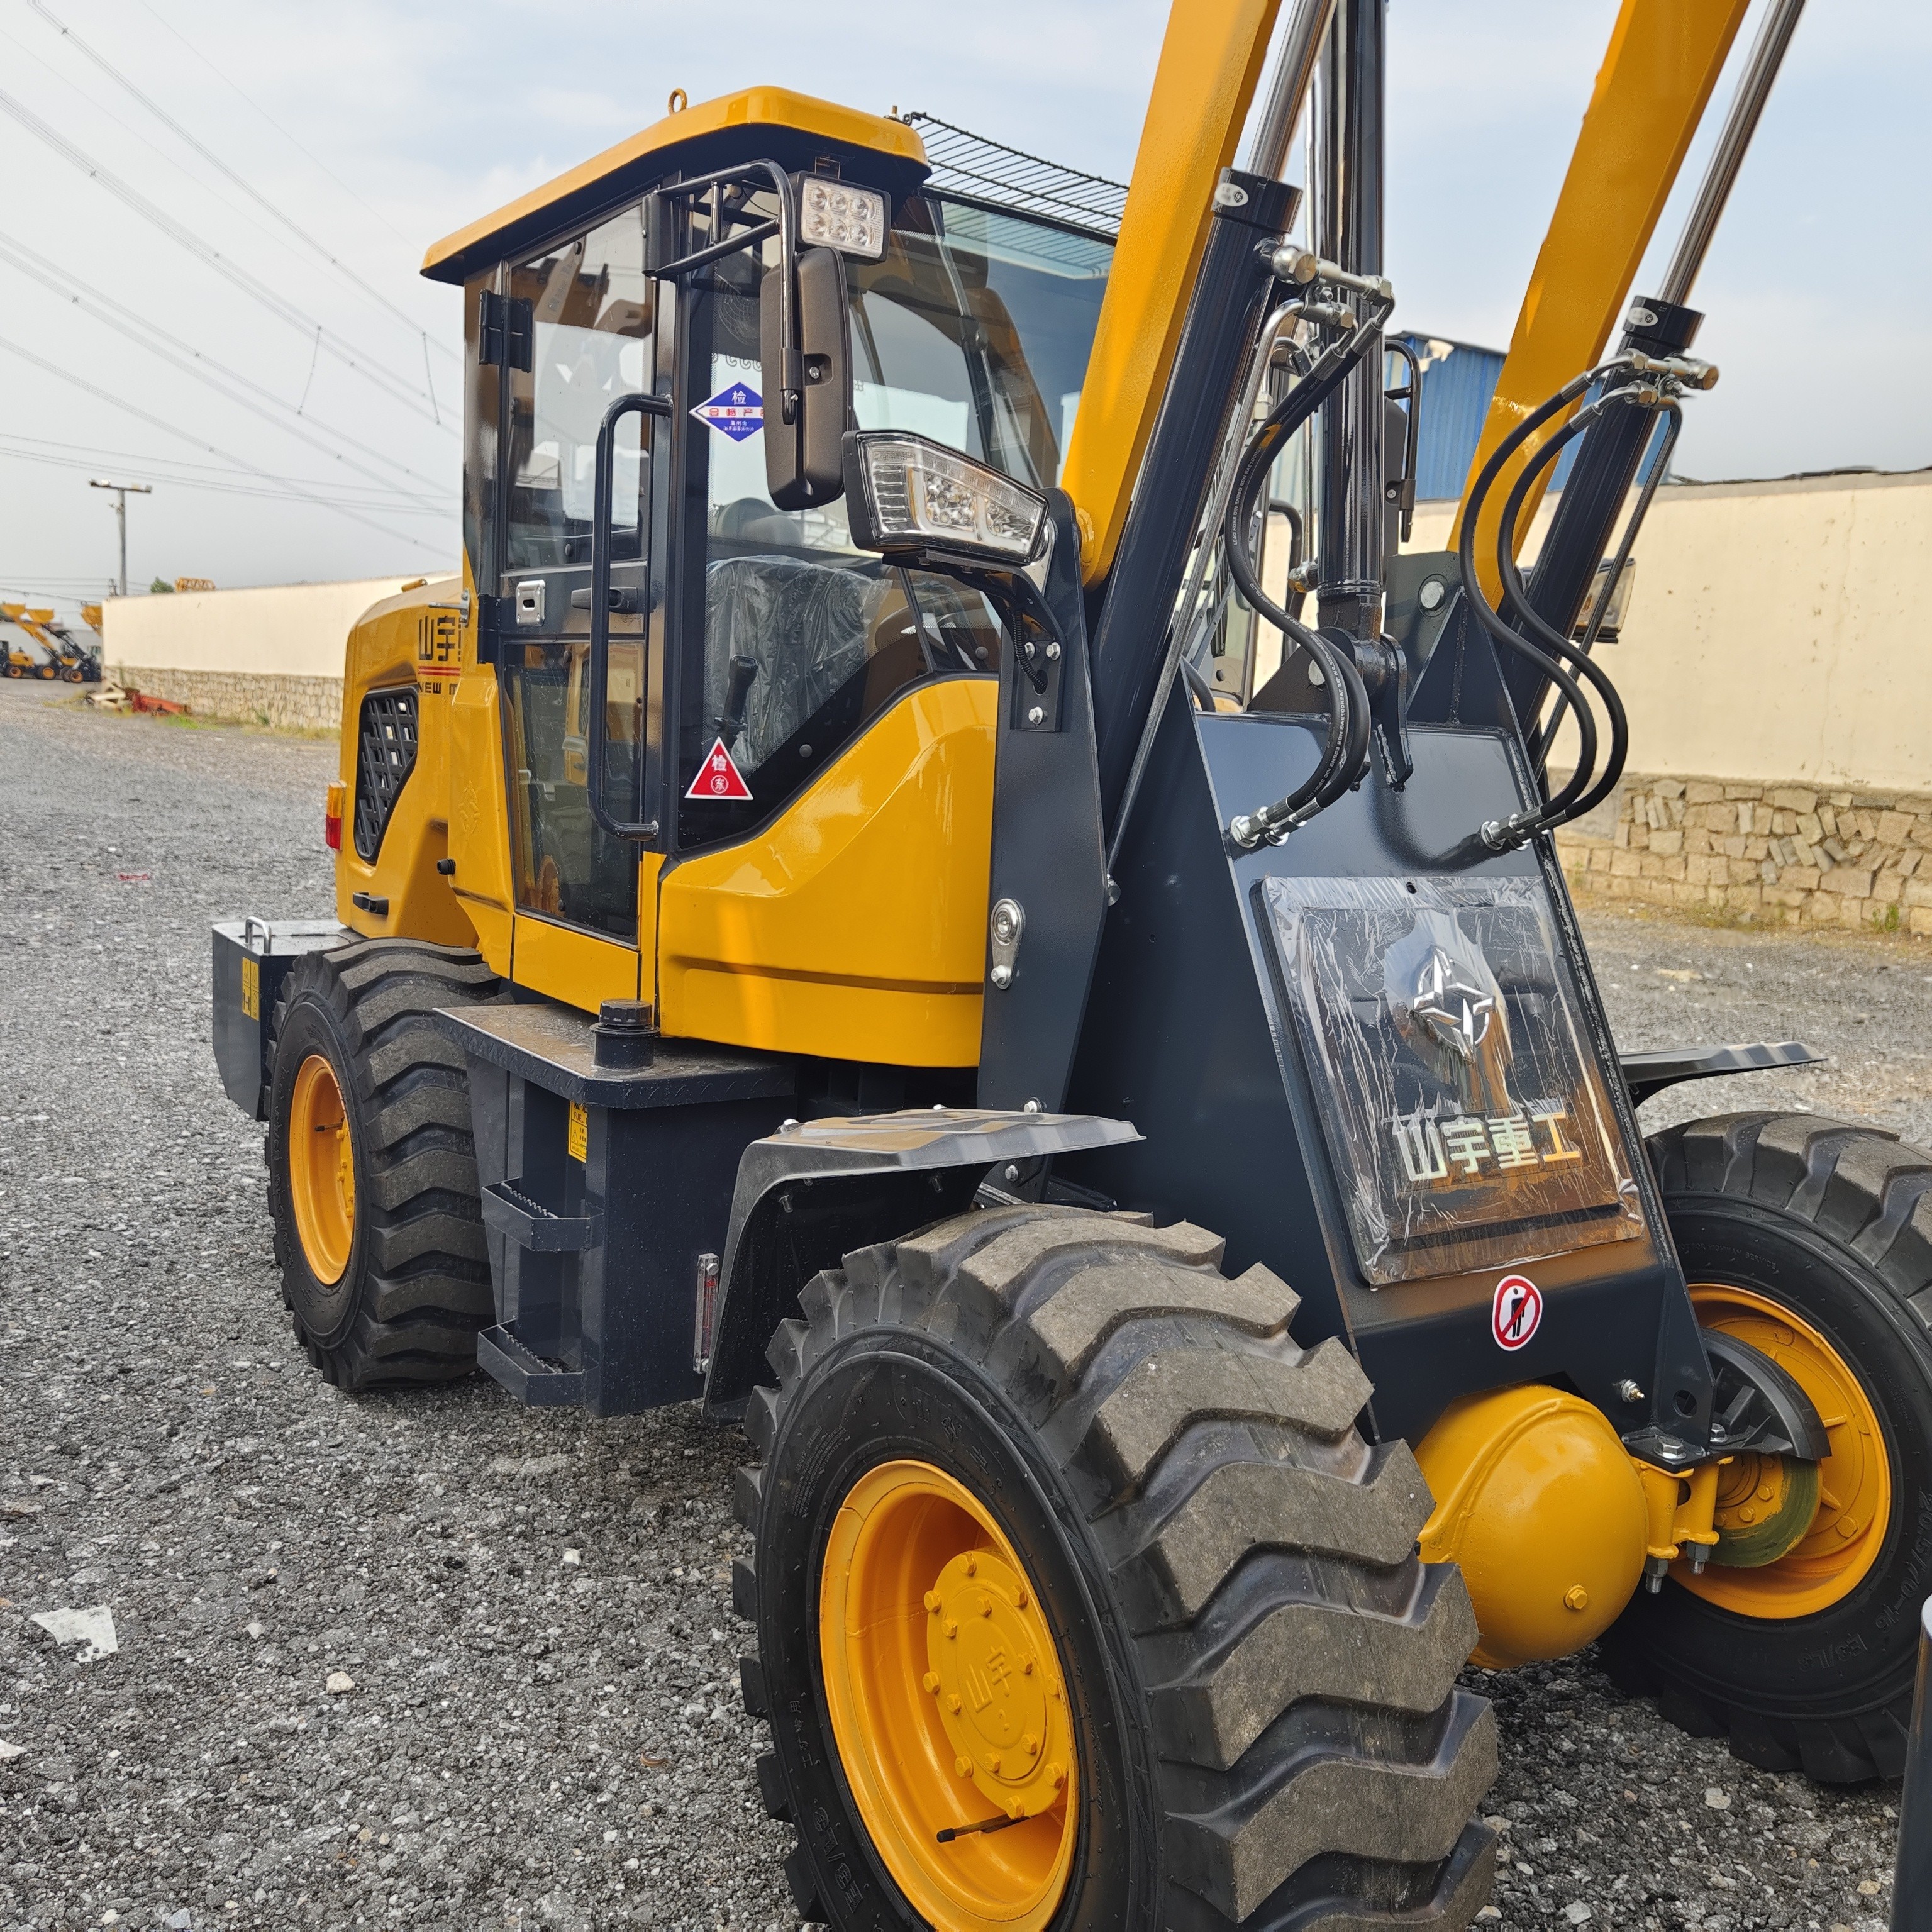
804	453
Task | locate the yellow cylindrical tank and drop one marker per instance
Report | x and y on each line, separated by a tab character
1541	1504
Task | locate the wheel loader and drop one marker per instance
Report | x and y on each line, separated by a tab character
1150	1172
42	647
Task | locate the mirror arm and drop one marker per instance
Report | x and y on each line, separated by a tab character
786	229
638	403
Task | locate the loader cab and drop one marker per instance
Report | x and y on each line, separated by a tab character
732	622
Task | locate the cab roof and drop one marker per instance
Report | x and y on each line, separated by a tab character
774	123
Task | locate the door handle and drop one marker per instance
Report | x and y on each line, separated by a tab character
602	600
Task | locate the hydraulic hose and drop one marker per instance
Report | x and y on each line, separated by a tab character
1547	633
1346	745
1558	810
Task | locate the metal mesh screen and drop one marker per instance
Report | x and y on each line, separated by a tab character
385	754
970	166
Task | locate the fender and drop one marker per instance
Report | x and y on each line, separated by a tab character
809	1195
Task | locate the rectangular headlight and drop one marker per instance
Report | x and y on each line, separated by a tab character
917	493
836	215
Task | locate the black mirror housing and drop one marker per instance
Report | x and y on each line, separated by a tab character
804	457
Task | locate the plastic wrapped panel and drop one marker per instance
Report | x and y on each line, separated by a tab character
1468	1125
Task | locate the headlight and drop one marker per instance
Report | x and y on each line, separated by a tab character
835	215
911	493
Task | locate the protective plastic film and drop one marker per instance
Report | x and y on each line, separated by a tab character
1467	1126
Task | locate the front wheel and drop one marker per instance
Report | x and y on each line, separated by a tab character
1811	1239
1081	1603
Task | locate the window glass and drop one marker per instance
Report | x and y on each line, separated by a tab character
974	330
591	318
567	865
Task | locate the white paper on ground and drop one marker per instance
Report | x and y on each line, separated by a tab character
93	1628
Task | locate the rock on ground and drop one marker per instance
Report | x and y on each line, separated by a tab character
525	1742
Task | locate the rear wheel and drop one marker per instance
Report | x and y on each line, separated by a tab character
1081	1603
1811	1239
372	1169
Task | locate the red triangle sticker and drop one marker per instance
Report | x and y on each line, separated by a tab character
718	777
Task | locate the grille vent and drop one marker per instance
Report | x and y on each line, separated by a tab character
385	754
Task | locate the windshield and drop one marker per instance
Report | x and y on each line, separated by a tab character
974	330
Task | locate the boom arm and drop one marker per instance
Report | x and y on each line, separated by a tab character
1210	63
1663	60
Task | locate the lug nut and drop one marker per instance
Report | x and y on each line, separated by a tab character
932	1599
964	1766
931	1684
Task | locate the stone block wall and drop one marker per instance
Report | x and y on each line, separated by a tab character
246	697
1775	854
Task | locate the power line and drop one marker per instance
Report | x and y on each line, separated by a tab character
215	161
163	465
283	310
132	408
236	87
296	494
150	337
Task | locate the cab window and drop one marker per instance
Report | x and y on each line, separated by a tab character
802	638
592	311
592	340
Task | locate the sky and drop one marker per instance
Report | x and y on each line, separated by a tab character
212	215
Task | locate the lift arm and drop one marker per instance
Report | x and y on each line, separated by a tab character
1210	63
1664	58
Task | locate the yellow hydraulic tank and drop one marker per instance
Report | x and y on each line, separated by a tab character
1541	1504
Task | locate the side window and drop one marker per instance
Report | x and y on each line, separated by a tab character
592	313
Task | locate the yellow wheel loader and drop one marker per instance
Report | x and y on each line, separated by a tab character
1154	1180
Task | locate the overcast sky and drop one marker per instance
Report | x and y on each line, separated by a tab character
368	131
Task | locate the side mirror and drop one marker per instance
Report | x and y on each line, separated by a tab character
808	394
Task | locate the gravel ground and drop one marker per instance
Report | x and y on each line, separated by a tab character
533	1610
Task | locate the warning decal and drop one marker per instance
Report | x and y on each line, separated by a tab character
738	411
718	777
1517	1311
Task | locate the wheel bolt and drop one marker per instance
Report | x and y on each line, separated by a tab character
972	1566
951	1628
932	1684
1020	1602
953	1701
932	1599
964	1766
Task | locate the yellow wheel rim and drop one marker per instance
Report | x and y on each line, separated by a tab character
322	1170
947	1701
1755	1493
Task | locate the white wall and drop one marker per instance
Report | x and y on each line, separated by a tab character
289	630
1776	631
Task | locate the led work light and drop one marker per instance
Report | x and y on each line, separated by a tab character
835	215
905	492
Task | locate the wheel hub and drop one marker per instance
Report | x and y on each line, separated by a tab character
1830	1518
947	1701
998	1691
322	1170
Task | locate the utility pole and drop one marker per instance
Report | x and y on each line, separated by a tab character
121	493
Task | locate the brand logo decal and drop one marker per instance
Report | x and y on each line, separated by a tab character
718	777
1516	1312
737	412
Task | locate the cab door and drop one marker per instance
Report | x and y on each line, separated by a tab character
580	330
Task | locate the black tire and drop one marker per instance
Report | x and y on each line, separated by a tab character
1261	1671
1833	1222
416	1289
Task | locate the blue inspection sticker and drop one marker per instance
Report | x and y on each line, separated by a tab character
738	412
